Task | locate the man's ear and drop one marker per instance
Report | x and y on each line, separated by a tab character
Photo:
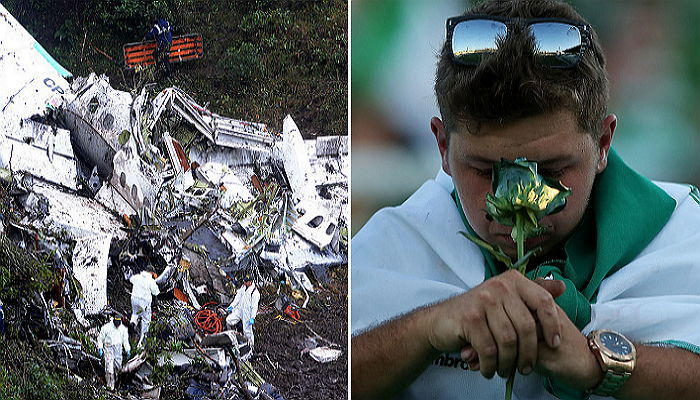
608	130
438	128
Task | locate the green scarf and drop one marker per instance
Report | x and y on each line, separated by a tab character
625	213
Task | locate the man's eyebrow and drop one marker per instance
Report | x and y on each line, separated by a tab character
480	160
555	160
545	162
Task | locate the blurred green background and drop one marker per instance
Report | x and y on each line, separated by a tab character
653	55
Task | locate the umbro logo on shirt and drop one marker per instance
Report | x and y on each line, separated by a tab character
445	360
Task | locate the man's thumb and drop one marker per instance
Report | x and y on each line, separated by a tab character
553	286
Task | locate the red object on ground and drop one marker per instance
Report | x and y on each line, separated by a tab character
208	321
292	311
256	183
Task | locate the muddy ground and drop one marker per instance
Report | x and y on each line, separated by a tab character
296	374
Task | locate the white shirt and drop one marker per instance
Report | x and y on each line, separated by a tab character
412	255
144	286
246	302
112	336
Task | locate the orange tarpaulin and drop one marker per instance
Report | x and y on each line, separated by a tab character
184	48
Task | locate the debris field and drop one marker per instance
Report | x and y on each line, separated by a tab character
98	184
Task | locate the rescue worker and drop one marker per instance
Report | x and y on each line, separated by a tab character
113	338
244	308
162	33
145	286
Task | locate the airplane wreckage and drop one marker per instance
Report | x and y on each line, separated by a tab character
105	189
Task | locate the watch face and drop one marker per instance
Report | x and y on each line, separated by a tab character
616	343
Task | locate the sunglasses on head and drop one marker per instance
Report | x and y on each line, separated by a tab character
559	43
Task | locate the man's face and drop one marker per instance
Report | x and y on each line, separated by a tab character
562	152
247	283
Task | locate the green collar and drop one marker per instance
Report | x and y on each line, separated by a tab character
625	213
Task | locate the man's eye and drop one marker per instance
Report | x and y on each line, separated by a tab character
557	173
486	173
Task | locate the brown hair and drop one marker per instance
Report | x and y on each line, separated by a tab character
510	84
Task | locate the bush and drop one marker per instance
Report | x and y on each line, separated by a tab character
131	19
243	62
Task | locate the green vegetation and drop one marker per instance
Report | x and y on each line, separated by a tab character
156	346
27	368
21	273
263	59
28	373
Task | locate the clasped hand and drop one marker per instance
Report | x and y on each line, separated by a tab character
510	322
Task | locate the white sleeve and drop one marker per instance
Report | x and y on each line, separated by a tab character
237	300
101	339
255	299
155	290
655	299
125	339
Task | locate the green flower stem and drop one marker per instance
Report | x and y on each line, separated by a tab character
521	198
520	241
509	386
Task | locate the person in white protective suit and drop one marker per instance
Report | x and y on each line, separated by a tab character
244	308
145	286
112	340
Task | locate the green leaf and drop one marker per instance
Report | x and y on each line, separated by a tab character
497	252
533	217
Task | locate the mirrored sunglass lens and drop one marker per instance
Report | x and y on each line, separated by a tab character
474	37
558	44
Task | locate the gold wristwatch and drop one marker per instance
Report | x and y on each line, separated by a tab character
616	355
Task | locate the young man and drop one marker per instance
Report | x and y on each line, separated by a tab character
430	309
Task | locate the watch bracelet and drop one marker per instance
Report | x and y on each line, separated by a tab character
612	382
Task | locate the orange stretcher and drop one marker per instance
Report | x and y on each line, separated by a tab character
183	48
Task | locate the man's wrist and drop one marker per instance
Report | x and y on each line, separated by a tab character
595	373
421	322
616	356
589	376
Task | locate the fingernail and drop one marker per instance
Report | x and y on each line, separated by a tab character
526	370
467	354
556	341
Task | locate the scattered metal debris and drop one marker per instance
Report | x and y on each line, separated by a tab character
232	197
325	354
